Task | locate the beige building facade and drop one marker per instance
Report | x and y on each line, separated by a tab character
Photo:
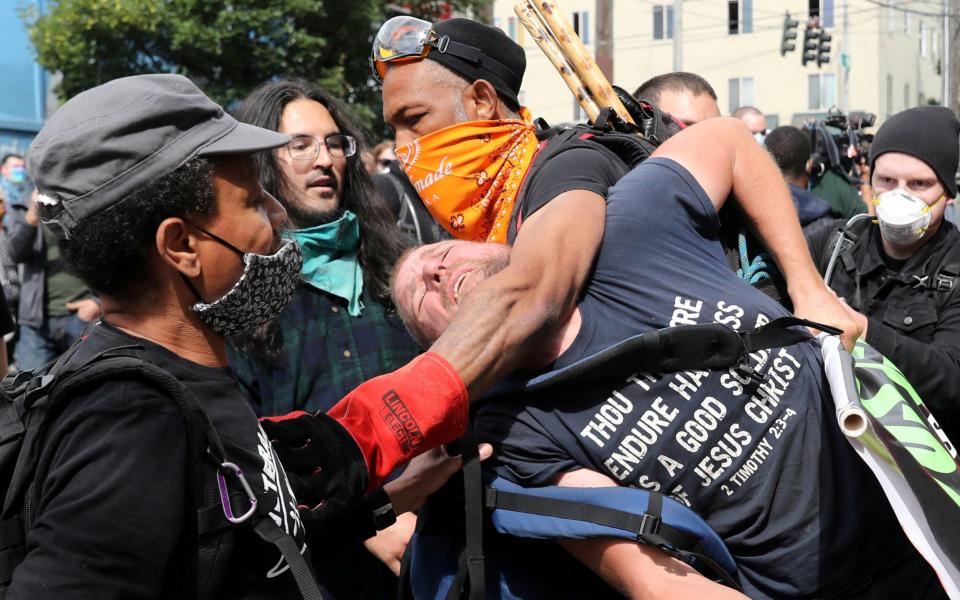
889	60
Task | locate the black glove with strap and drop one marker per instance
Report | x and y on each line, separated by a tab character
326	471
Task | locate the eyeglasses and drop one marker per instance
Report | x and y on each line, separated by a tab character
307	147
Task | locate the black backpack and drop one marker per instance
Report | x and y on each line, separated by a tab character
31	400
629	143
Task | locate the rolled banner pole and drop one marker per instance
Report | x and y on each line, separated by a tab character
838	365
579	57
531	21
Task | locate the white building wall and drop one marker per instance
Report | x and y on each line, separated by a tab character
884	45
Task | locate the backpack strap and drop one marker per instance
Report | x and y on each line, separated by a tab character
551	138
647	526
945	281
306	582
681	348
844	242
471	568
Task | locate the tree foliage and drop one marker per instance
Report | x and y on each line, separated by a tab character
227	47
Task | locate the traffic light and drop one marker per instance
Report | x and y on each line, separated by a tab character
810	45
823	49
789	34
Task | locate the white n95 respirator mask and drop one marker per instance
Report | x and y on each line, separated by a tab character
904	218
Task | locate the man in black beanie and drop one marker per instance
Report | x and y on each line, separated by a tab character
899	276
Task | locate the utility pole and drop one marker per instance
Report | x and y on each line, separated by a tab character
947	44
845	60
604	37
677	35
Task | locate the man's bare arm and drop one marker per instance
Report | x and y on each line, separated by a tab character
737	165
644	572
633	569
508	314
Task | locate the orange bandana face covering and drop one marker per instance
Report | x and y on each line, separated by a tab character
469	174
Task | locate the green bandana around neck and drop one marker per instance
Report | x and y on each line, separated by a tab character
330	259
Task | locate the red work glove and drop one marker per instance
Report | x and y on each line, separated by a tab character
399	415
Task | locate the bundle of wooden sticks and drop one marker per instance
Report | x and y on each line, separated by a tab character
557	39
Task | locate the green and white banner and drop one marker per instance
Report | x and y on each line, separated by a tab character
891	429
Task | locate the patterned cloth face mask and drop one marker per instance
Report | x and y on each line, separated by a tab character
267	283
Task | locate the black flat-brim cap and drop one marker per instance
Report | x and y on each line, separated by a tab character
112	140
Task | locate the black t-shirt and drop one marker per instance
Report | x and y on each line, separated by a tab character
584	166
768	469
112	512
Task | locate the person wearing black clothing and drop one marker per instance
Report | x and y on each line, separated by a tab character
790	147
6	327
900	277
413	218
153	192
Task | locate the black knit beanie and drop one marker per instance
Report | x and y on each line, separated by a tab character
492	56
929	133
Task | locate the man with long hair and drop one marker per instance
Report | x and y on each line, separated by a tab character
339	329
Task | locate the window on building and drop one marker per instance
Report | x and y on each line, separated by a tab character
512	28
935	43
822	9
663	22
739	16
924	49
581	25
740	92
891	19
821	91
889	95
906	96
826	13
578	112
907	22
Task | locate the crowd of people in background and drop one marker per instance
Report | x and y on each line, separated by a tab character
373	239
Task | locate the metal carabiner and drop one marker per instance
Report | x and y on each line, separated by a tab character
225	493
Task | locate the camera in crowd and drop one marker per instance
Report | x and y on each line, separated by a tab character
840	143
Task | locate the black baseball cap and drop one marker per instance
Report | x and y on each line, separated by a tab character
112	140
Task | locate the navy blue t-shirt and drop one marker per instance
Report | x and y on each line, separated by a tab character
768	469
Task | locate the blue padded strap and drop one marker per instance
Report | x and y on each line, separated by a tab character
507	517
